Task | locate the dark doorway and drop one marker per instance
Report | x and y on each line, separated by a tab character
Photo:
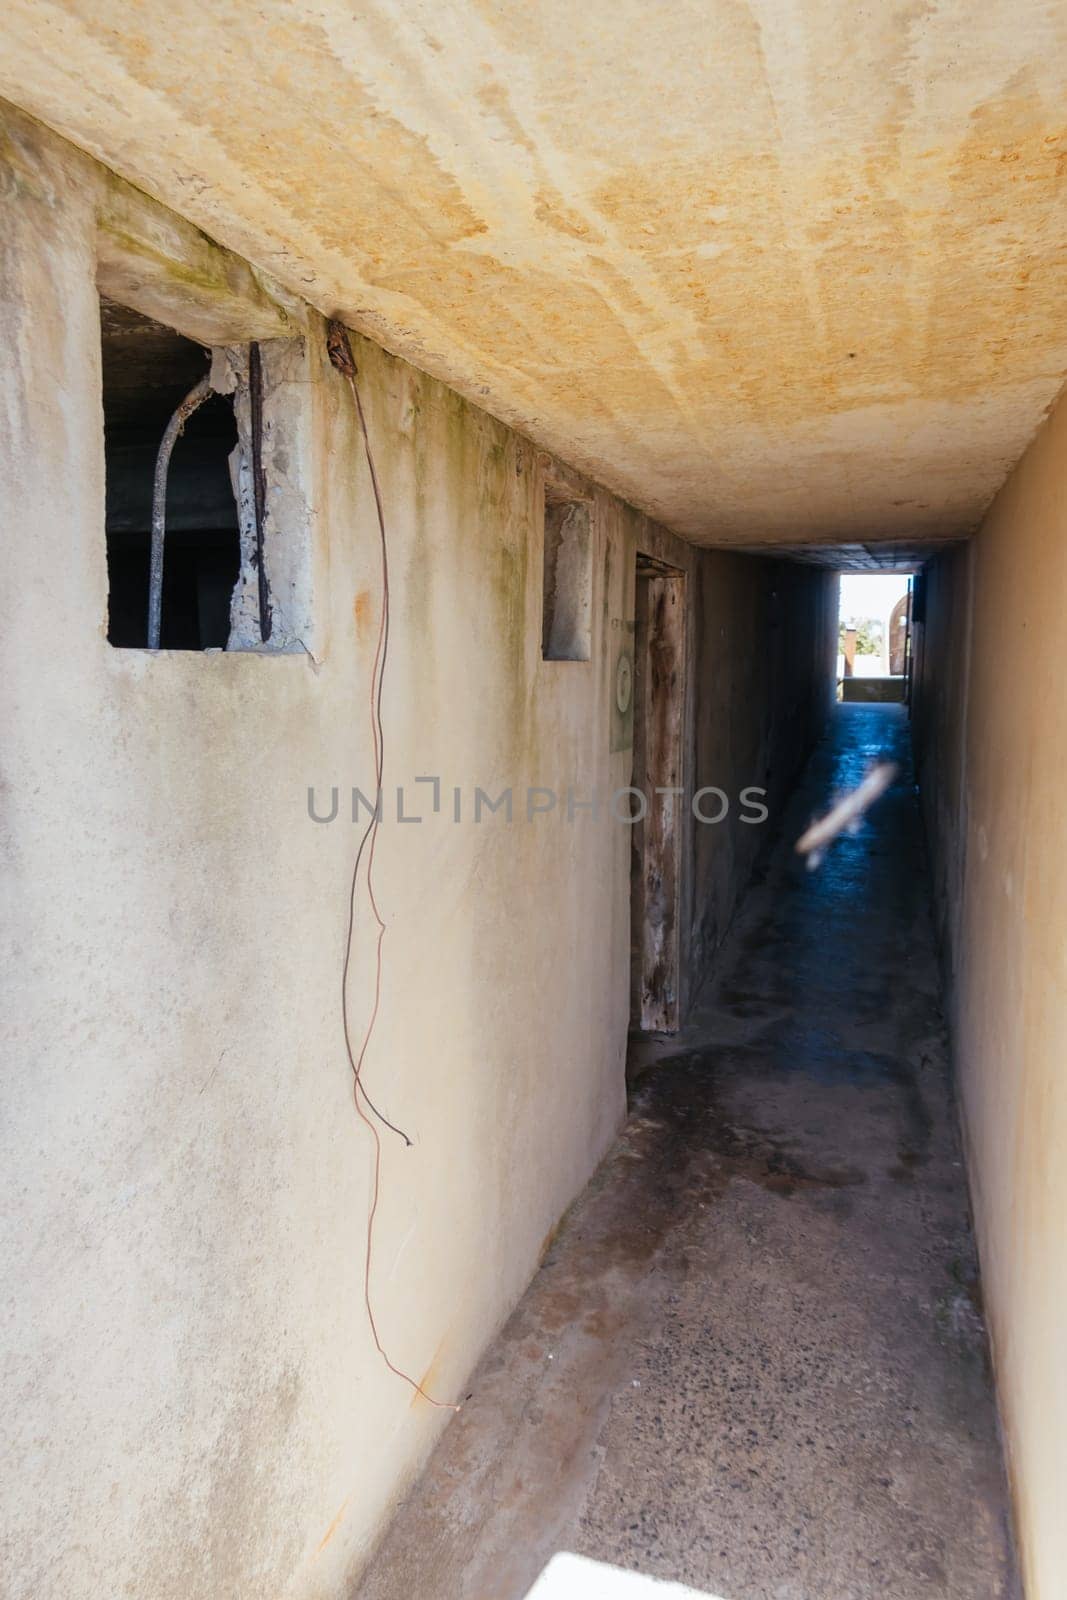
659	692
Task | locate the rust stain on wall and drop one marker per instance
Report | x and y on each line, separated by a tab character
430	1381
361	611
334	1525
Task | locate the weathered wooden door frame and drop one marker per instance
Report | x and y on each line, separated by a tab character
657	836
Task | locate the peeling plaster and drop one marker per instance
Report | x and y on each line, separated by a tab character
286	465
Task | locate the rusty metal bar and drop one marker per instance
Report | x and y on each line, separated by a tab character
196	397
259	483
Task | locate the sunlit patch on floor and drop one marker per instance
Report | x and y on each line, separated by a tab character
570	1577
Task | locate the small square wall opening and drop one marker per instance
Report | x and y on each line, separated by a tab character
148	369
567	614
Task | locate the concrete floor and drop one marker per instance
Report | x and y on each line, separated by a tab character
754	1361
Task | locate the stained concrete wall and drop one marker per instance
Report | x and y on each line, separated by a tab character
758	712
991	731
806	264
192	1400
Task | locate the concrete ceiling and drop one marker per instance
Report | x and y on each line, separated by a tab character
879	556
780	272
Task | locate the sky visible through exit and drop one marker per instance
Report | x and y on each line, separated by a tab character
867	601
870	594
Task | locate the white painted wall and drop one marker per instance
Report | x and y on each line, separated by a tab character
991	731
192	1403
196	1401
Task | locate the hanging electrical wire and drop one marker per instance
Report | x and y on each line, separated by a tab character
340	353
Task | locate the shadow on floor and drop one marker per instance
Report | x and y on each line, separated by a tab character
753	1362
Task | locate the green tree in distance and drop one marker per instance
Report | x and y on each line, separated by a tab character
868	637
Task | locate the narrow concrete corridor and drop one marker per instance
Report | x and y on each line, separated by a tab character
753	1361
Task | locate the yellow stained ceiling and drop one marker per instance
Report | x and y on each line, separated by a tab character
781	271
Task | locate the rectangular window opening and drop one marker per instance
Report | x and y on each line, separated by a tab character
148	369
567	614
